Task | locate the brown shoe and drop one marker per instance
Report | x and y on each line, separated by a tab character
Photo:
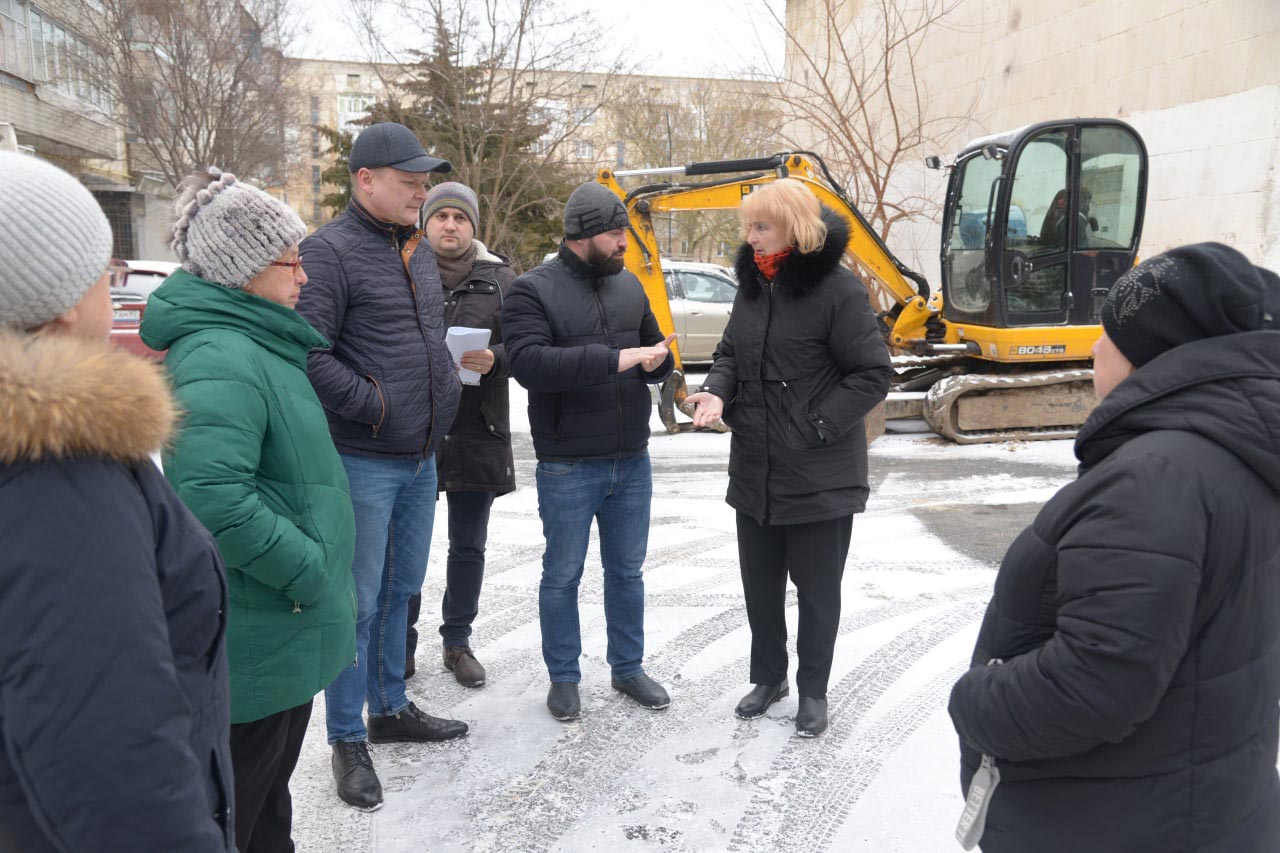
463	664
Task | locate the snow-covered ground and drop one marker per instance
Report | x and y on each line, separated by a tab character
884	777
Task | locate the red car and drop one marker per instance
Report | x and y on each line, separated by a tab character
131	285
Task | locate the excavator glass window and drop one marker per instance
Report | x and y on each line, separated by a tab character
1041	194
1110	177
969	289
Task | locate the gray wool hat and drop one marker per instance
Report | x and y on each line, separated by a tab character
593	209
453	194
227	231
55	242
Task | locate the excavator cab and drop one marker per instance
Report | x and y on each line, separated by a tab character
1038	224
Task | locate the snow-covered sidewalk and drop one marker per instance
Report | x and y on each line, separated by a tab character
883	778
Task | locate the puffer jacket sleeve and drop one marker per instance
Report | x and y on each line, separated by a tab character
535	361
323	303
1129	572
96	724
859	353
213	466
722	379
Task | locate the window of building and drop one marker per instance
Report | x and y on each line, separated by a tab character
15	54
583	149
621	154
315	142
315	109
353	81
584	115
315	179
35	47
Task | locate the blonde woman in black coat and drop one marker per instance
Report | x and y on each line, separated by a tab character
801	363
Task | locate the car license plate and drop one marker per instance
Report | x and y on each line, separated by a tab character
127	316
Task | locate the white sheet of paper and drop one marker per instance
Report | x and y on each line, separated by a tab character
460	339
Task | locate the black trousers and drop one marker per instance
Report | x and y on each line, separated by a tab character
464	570
814	556
263	755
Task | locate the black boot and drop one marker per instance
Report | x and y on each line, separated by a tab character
811	717
413	726
758	700
563	702
645	691
358	784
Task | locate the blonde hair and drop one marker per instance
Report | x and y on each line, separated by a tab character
789	205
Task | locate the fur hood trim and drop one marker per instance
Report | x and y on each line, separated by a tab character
62	397
798	273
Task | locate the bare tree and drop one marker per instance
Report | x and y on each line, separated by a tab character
705	120
200	82
501	94
853	89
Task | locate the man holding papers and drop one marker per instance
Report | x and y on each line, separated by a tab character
474	460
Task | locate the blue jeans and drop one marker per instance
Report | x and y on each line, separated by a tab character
616	493
395	507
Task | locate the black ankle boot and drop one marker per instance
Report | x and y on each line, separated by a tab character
811	717
358	784
758	700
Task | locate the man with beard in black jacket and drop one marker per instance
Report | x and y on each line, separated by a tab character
1124	690
580	336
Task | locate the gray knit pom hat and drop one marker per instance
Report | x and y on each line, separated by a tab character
55	242
227	232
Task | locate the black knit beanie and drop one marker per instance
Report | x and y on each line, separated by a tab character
1185	294
593	209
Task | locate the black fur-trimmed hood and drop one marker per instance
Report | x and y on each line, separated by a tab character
798	273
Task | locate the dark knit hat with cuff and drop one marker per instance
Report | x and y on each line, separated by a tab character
455	195
593	209
1185	294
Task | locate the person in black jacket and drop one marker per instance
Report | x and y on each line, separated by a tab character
114	702
474	461
390	391
1125	684
580	336
800	365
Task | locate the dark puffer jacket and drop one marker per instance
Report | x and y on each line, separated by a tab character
476	454
1138	620
114	706
801	363
563	327
388	385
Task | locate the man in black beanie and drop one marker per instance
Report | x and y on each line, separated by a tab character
581	338
1134	623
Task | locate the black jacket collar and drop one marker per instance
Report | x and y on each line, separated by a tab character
799	273
376	225
579	267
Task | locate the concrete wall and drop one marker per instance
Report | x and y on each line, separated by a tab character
1199	79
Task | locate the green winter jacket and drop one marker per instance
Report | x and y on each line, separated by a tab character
253	461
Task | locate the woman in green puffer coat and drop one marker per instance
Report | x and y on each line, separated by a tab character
254	462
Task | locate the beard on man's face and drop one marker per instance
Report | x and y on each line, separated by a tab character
603	262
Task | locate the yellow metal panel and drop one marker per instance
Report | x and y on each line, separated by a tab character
1028	343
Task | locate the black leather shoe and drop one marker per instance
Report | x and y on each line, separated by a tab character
463	664
811	717
358	784
645	691
413	726
563	702
758	700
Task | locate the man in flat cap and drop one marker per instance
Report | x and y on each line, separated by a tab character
390	392
581	338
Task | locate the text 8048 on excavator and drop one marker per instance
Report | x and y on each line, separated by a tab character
1038	224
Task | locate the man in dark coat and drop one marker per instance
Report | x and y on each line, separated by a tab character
390	392
114	704
474	461
1126	680
580	336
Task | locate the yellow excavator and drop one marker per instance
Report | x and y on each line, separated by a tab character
1037	225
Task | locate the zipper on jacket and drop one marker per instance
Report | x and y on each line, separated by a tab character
382	400
417	313
973	820
297	607
617	392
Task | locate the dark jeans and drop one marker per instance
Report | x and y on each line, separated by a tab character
464	572
616	493
814	556
263	755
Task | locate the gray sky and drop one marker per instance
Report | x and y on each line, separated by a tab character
674	37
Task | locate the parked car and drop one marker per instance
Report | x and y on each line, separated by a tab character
701	299
132	283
